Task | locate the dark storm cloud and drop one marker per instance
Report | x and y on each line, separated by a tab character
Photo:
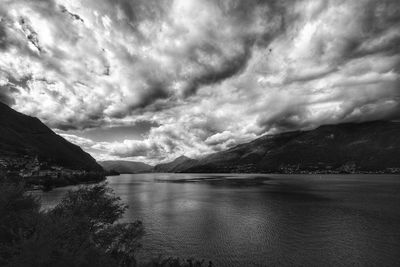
3	35
363	103
31	35
359	65
12	87
205	57
212	74
138	10
5	97
74	16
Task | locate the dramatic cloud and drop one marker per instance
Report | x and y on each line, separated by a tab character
204	75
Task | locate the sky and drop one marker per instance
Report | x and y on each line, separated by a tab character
151	80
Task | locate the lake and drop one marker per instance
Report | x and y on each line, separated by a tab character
264	220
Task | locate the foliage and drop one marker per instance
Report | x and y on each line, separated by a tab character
121	241
80	231
96	205
177	262
19	217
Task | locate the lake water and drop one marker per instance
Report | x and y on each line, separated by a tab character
264	220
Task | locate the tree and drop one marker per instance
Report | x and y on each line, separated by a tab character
19	217
80	231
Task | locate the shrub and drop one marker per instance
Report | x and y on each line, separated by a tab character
80	231
19	217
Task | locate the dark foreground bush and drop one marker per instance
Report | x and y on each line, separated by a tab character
80	231
177	262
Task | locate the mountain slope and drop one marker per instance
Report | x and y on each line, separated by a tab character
126	166
350	147
178	165
25	136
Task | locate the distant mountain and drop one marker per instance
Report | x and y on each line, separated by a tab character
178	165
23	137
350	147
126	166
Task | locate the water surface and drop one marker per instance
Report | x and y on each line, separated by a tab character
264	220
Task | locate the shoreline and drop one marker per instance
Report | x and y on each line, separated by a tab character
38	187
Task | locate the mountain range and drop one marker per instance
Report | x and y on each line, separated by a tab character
23	137
124	167
349	147
180	164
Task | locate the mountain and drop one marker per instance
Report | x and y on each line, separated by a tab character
126	166
350	147
178	165
23	137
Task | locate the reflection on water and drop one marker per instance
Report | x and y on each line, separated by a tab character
258	220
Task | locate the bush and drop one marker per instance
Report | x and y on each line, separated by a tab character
96	204
80	231
19	217
177	262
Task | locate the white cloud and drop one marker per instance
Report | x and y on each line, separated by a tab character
211	74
